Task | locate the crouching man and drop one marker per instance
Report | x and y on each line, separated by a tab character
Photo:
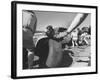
57	57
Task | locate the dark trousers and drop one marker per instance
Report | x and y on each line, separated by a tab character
25	59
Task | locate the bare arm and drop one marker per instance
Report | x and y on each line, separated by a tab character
75	23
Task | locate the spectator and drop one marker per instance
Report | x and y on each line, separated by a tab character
83	36
74	35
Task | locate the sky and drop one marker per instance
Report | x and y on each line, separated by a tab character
57	19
